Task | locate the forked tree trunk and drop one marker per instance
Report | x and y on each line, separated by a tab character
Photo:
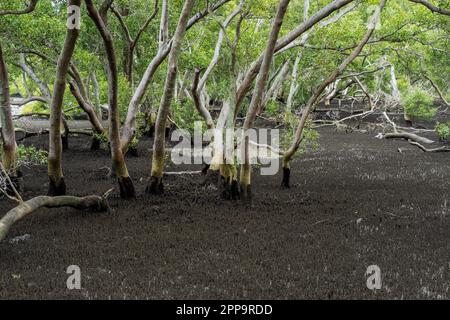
132	42
228	185
92	113
245	174
287	157
155	185
126	186
9	153
129	127
57	184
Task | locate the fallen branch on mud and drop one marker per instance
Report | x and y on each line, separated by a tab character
440	149
95	203
408	136
411	137
181	173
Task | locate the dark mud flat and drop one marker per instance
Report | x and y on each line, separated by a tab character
355	202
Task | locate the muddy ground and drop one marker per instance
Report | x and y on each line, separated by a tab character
355	202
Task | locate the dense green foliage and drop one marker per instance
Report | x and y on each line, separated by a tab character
410	37
419	103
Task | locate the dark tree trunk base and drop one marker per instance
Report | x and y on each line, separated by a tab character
225	190
56	189
155	186
234	190
65	142
167	133
95	144
150	132
285	183
230	189
408	123
126	188
205	169
212	177
246	193
133	151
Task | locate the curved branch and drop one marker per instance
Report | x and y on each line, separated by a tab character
432	7
87	107
200	15
96	203
439	92
30	8
198	103
122	24
440	149
407	136
22	102
129	127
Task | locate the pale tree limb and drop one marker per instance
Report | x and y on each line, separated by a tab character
263	74
438	90
391	122
165	44
366	92
95	203
253	71
294	85
24	101
201	108
176	173
30	72
200	15
440	149
407	136
275	87
397	95
87	108
358	74
432	7
331	91
218	47
77	80
199	83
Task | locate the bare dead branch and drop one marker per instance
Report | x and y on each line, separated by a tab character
96	203
407	136
440	149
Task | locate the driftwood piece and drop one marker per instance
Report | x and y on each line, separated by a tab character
95	203
407	136
440	149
